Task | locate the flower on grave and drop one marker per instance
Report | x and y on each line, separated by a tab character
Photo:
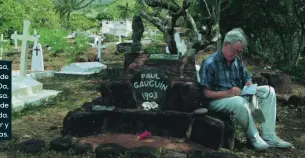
149	105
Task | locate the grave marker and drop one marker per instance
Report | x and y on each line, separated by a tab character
2	41
37	58
37	55
150	84
124	47
16	41
82	68
99	49
25	37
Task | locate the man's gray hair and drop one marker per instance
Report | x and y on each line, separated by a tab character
235	35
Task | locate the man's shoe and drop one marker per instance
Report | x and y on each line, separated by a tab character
258	144
277	142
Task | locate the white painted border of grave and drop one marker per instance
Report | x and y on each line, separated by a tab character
36	75
89	68
26	90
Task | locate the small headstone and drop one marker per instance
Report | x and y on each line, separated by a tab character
82	68
37	58
124	47
151	85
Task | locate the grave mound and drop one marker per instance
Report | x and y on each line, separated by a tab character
158	93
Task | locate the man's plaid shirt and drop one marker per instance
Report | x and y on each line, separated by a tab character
216	75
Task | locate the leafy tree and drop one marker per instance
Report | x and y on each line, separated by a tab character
66	7
41	16
11	16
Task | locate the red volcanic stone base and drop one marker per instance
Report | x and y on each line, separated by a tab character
131	141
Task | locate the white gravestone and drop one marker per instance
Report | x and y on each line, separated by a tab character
16	41
24	54
25	89
37	55
37	58
2	41
83	68
99	49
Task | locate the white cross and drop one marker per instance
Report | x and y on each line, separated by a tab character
2	41
36	35
25	37
16	41
99	49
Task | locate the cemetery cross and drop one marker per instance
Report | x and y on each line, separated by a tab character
36	42
2	41
25	37
99	49
36	50
16	41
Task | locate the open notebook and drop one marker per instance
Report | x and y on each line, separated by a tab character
249	90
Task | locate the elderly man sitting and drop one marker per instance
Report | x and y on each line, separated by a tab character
223	76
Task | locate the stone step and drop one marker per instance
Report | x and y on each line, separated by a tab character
26	90
82	68
35	75
18	103
23	86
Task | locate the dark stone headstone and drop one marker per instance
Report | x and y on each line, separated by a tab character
61	143
124	47
32	145
111	149
150	84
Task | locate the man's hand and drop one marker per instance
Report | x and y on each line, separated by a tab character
249	83
234	91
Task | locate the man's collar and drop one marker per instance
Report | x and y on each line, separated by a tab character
221	57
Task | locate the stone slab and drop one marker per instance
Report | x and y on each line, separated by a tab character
23	86
36	75
18	103
26	90
83	68
42	74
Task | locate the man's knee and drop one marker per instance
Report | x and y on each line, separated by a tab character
266	89
240	103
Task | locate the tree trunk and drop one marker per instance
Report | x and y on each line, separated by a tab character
170	40
137	33
217	22
68	19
